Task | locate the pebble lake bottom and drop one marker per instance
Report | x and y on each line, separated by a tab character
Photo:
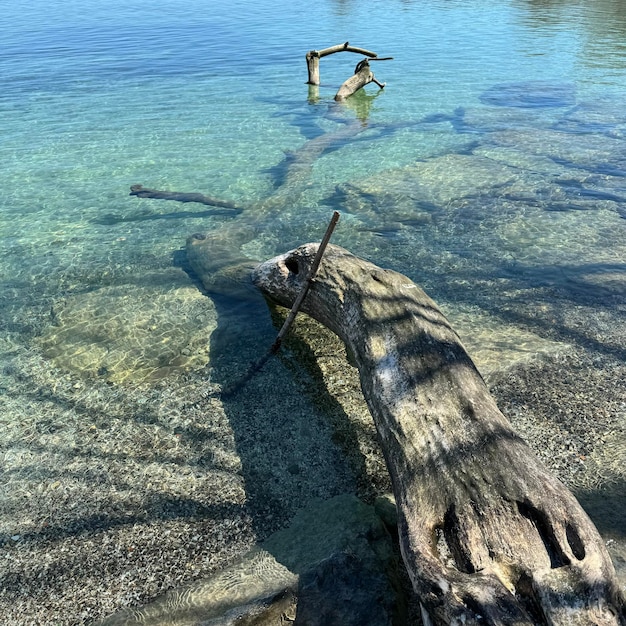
491	170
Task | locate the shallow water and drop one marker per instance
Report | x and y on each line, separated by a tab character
491	169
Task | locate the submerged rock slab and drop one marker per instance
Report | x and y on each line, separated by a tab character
546	168
330	566
531	94
489	119
603	115
497	347
132	333
427	185
594	152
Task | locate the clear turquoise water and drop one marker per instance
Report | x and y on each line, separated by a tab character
210	97
511	216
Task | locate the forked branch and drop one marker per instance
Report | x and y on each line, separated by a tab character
313	58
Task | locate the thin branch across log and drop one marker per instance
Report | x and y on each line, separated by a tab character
487	533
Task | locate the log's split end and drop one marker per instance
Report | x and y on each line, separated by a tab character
307	284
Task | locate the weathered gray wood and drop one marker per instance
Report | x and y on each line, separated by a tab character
487	533
362	76
313	59
307	283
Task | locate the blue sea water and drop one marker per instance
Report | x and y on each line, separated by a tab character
207	96
210	97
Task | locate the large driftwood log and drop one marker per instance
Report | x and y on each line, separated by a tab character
487	533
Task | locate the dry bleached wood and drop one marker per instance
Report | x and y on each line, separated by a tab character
362	74
487	534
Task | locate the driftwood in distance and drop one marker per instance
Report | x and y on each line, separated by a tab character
488	535
362	76
313	59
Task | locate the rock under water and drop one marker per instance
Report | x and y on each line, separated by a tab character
530	94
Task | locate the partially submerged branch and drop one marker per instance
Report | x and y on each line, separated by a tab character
295	174
362	76
142	192
313	58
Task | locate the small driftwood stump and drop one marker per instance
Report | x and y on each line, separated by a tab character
313	58
487	534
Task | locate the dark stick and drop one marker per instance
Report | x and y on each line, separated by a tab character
275	347
305	289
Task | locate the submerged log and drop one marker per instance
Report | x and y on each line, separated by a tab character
179	196
488	535
295	174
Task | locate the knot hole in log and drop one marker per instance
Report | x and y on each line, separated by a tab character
292	265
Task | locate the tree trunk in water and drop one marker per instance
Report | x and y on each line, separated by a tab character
487	534
298	166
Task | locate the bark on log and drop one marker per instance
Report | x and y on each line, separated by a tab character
487	533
